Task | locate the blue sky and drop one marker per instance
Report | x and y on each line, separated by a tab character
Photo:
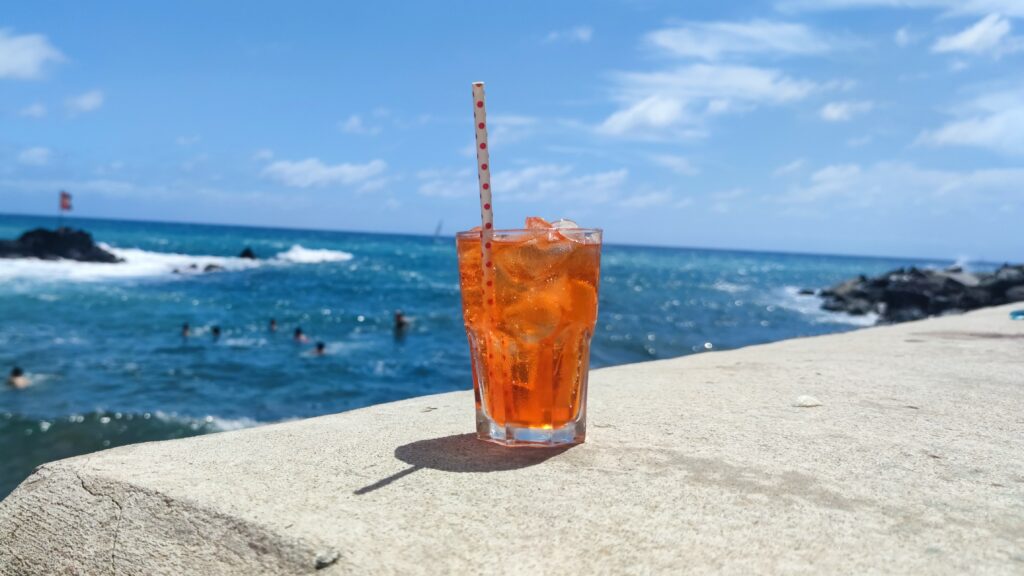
889	127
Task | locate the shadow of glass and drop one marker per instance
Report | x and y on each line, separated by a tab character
462	453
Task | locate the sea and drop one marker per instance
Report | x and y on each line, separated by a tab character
103	349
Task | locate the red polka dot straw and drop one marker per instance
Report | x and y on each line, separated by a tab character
484	174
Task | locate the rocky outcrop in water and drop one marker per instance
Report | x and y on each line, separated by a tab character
247	253
913	293
62	243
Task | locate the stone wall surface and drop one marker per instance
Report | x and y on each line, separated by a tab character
896	449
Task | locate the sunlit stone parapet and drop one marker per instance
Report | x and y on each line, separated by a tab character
893	449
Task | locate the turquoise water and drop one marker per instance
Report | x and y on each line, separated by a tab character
102	345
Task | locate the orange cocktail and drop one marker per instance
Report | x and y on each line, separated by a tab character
529	333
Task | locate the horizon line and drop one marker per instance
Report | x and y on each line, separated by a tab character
452	235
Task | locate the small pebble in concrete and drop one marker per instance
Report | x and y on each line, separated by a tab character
325	558
806	401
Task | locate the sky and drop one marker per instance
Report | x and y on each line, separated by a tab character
877	127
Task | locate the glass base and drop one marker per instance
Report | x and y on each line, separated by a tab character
521	436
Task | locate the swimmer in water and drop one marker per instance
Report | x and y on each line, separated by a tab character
401	326
401	322
300	336
320	349
273	325
215	332
17	379
186	330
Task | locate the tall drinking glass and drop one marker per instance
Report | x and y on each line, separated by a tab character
529	333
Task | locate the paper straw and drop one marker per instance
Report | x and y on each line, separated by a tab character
483	165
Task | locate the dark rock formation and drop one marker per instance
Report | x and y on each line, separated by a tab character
248	253
912	293
62	243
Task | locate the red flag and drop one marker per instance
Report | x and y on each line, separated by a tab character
65	201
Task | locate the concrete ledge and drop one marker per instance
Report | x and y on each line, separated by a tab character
913	463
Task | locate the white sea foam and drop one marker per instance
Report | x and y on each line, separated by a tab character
215	422
729	288
791	299
245	342
140	263
298	254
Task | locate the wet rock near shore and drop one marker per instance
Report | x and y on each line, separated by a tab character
62	243
912	293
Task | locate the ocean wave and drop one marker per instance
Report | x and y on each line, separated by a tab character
207	423
298	254
139	263
36	440
94	420
244	342
790	298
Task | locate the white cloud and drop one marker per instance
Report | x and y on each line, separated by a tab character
520	180
678	164
952	7
534	183
34	110
715	40
904	184
683	203
843	111
85	102
654	112
126	189
100	186
507	128
313	172
504	129
188	140
577	34
984	36
994	120
35	156
447	183
789	168
645	200
656	102
527	184
24	57
354	125
902	37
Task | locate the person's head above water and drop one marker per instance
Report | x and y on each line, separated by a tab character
17	372
400	321
215	331
273	324
320	347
